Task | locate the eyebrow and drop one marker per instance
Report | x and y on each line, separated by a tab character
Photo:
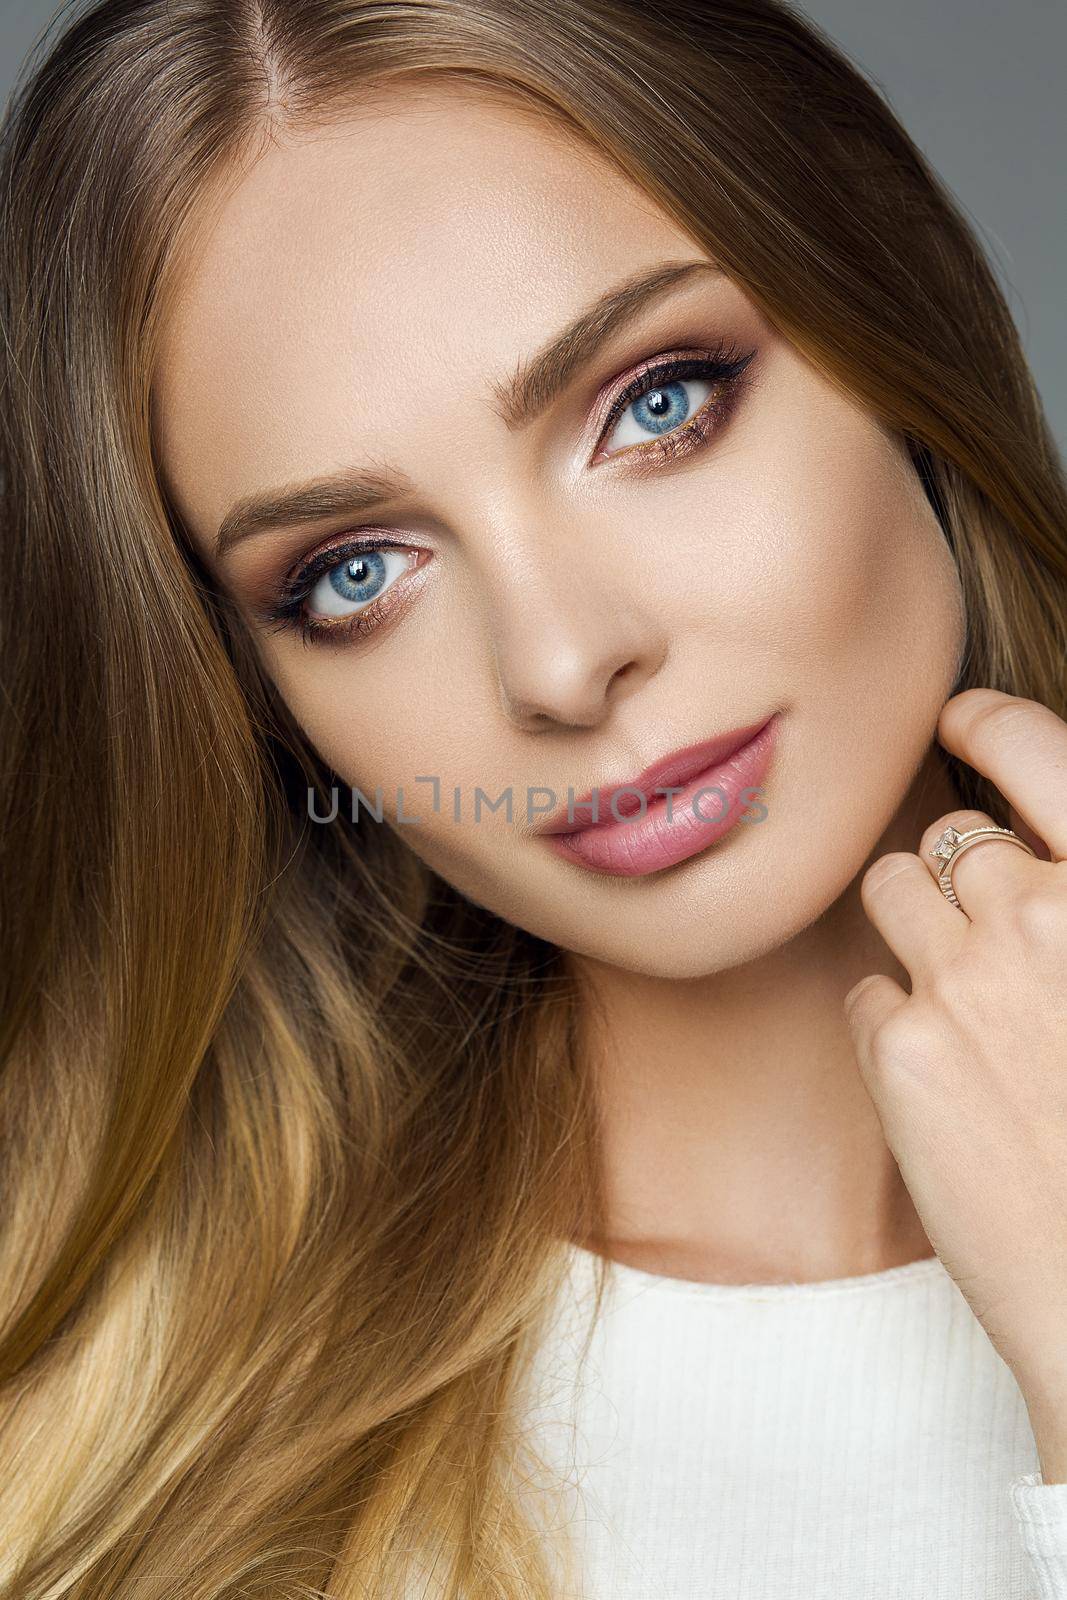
535	384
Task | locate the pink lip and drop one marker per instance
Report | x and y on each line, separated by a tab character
677	767
631	845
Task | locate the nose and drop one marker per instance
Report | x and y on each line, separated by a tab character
570	642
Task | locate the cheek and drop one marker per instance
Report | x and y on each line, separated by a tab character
886	604
831	561
805	547
402	721
378	727
873	626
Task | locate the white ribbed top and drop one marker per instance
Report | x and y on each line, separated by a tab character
853	1439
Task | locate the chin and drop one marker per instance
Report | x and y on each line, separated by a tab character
703	916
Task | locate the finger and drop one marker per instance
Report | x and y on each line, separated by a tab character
987	875
1021	745
867	1004
1024	830
910	912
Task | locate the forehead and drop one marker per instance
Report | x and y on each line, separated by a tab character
381	270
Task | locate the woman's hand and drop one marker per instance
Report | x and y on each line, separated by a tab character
968	1073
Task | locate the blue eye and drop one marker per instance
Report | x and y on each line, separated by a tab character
351	585
661	410
342	591
674	403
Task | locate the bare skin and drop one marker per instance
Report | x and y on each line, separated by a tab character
356	298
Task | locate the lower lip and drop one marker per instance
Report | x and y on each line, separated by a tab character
631	848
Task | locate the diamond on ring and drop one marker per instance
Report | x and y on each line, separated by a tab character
946	844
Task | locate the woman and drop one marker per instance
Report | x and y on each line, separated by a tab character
601	406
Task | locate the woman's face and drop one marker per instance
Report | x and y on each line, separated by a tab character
562	591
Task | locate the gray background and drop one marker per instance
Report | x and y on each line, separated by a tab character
979	85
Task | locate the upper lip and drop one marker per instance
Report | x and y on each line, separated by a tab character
675	768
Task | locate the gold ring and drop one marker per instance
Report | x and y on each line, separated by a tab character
952	843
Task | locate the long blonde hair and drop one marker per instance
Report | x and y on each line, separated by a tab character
292	1131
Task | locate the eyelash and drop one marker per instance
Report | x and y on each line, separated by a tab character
724	366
